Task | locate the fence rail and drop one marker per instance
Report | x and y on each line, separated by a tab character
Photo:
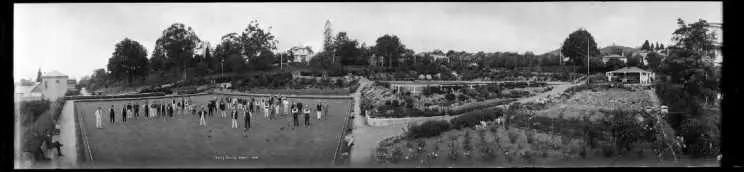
341	137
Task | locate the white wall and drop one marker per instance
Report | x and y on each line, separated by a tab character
54	87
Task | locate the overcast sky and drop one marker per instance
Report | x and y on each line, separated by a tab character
75	39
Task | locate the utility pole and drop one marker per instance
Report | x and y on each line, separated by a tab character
587	58
222	67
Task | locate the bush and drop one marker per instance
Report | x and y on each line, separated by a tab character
450	97
428	129
72	92
472	119
31	110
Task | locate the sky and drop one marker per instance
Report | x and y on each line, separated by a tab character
76	39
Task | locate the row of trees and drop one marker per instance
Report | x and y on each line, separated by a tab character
179	52
651	47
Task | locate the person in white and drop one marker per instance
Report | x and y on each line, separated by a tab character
98	118
266	108
130	114
285	102
234	116
153	111
202	112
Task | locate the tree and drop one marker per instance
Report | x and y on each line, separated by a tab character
258	46
178	43
695	37
575	46
157	59
634	60
228	52
129	60
38	76
390	47
646	46
347	50
653	59
327	36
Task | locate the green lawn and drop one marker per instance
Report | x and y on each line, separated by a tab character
181	142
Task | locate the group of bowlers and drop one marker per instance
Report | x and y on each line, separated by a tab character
149	109
272	107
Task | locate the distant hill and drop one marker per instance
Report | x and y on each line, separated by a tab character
603	51
626	50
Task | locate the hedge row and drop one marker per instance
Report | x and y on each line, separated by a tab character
437	127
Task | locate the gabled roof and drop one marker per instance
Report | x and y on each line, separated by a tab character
630	70
613	56
54	74
25	89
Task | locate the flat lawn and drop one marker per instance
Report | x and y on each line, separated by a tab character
181	142
587	102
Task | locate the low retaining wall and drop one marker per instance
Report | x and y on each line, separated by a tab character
379	122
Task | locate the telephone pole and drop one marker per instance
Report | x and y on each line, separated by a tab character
587	58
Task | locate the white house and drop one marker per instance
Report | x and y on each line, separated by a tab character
301	54
631	75
605	59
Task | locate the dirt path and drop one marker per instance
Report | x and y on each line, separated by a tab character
366	138
67	137
558	88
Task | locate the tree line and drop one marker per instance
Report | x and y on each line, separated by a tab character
180	54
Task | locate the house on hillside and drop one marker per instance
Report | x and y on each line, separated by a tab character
301	54
632	76
53	85
607	58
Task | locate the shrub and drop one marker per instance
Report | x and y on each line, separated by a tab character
472	119
31	110
428	129
450	97
72	92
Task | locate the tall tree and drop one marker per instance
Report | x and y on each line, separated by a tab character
157	59
179	42
228	52
347	50
327	36
258	45
575	47
646	46
695	36
128	60
390	47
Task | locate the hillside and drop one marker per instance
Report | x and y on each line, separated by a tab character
605	50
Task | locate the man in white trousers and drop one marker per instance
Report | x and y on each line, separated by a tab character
98	118
202	112
234	117
266	108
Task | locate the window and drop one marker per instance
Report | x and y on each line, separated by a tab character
45	85
57	81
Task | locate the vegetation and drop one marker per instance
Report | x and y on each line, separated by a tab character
691	88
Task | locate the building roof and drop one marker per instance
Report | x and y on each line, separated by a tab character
54	74
25	89
630	70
